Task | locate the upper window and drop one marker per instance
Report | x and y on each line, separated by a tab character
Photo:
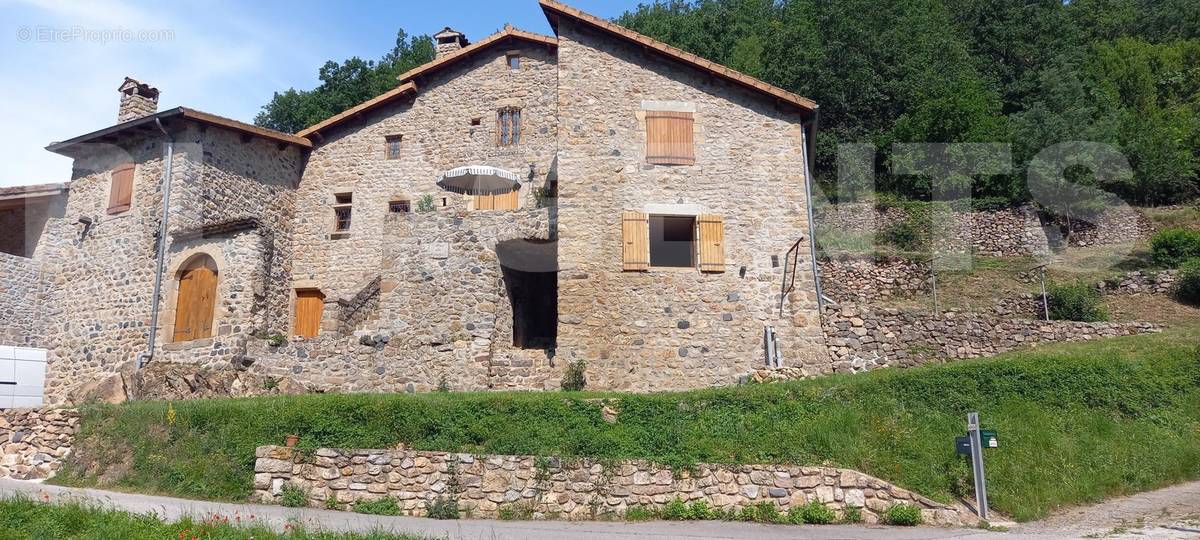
669	138
341	211
672	241
120	191
514	60
393	146
508	126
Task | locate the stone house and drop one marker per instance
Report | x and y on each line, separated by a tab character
653	223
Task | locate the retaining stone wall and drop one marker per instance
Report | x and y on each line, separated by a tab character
864	280
568	489
33	442
25	299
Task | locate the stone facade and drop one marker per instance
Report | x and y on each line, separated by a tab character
34	442
26	287
568	489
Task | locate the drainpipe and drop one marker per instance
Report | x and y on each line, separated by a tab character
145	356
810	135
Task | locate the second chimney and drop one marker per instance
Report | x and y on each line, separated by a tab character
449	40
138	99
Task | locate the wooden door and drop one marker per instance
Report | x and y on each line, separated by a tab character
310	304
196	301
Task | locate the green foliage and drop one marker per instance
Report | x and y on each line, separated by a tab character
1187	285
574	378
425	203
676	510
1081	422
1170	247
639	513
443	507
762	512
293	496
25	518
344	85
851	514
519	511
1078	301
386	506
276	339
813	513
902	514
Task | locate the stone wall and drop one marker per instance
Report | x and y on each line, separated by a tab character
863	280
34	442
25	299
1138	282
1012	232
861	338
567	489
1120	225
668	327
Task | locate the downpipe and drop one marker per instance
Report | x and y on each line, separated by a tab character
809	145
144	357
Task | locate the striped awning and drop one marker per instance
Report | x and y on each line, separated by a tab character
478	180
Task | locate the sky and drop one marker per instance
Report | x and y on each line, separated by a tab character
61	61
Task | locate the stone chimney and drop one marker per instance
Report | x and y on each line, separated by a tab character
138	99
449	40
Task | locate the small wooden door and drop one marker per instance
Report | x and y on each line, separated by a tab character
310	304
197	299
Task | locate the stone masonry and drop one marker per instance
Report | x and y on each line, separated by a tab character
33	442
568	489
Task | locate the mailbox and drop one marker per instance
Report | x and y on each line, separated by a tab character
22	377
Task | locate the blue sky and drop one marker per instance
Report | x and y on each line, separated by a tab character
61	62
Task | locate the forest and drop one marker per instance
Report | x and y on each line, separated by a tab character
1025	73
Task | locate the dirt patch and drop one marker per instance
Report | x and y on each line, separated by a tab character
1162	509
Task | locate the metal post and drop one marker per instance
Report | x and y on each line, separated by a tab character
981	502
937	311
1045	300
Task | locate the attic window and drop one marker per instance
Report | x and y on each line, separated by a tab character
393	146
514	60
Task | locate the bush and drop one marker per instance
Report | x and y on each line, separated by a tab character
1171	247
380	507
292	496
852	514
1079	301
1187	288
902	514
575	376
443	508
639	513
907	235
425	203
813	513
761	512
701	510
676	510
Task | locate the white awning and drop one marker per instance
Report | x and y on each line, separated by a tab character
478	180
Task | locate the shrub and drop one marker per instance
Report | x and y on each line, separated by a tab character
292	496
380	507
1171	247
516	512
761	512
443	508
701	510
813	513
676	510
906	235
425	203
1187	288
575	376
1078	301
903	514
852	514
639	513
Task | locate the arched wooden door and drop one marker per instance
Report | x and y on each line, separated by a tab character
197	299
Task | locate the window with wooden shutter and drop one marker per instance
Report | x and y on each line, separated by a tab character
669	139
712	243
310	306
120	192
196	300
635	240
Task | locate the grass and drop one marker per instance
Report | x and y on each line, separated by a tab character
23	518
1077	423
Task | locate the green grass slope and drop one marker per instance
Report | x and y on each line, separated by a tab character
1077	423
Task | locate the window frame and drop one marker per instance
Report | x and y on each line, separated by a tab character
392	143
343	204
508	126
694	242
510	57
406	204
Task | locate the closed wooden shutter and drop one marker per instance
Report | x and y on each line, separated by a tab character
120	192
635	239
310	305
669	138
712	243
196	301
503	201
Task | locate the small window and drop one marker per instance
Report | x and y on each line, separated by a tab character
669	138
476	121
673	241
341	211
444	201
508	126
399	207
514	60
393	146
120	192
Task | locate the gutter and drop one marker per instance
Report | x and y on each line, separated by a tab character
810	148
159	258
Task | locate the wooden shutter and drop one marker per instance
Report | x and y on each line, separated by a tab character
196	301
635	238
120	192
503	201
669	138
712	243
310	305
